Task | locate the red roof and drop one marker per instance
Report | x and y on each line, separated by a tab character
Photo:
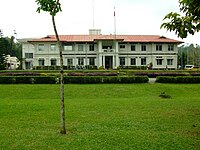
124	38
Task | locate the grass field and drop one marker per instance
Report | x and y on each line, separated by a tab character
108	117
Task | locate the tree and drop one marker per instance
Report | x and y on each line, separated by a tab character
187	24
9	47
189	55
2	53
53	7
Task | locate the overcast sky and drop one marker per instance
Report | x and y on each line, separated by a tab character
135	17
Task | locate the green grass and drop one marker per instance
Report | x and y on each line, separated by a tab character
110	117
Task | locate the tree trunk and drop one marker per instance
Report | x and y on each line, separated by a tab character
62	104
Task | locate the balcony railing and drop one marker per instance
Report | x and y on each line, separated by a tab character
108	50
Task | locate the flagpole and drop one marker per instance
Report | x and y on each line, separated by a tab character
114	24
115	34
93	12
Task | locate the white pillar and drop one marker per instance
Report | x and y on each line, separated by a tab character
117	60
100	46
100	60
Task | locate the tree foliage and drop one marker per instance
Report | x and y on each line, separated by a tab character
51	6
189	23
9	47
189	55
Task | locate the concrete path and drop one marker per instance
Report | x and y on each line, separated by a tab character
152	80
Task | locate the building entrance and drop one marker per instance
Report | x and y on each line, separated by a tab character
109	62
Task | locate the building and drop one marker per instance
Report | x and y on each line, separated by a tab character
28	51
108	51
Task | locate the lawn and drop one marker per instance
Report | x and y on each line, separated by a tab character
101	116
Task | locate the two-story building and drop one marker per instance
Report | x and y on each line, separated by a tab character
109	51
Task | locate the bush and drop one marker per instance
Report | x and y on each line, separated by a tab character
92	74
91	67
45	80
104	79
155	74
46	68
24	80
71	79
179	79
82	79
133	67
19	74
195	73
7	80
69	67
27	80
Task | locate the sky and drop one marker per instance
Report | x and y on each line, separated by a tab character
133	17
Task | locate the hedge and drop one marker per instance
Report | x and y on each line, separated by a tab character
27	80
156	74
104	79
88	67
133	67
92	74
178	79
71	79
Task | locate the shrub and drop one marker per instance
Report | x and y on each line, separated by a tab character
27	80
92	74
91	67
71	79
45	80
101	68
133	67
155	74
164	95
165	79
20	74
82	79
69	67
195	73
7	80
24	80
104	79
46	68
179	79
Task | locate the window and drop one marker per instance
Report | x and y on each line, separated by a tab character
159	61
132	47
28	65
169	61
68	48
122	61
170	47
28	55
92	61
91	48
80	47
53	62
41	62
80	61
53	47
122	46
143	61
41	47
143	47
158	47
133	61
70	62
